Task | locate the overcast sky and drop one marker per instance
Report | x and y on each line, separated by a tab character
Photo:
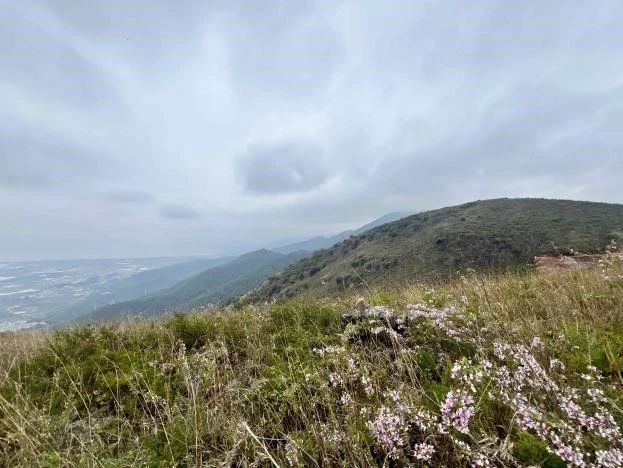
149	128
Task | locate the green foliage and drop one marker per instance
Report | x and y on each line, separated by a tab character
531	451
193	330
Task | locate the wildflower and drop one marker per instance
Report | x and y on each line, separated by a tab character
352	364
528	417
596	395
456	411
331	434
387	429
328	350
605	426
422	419
501	350
382	329
480	459
367	385
457	370
335	380
612	458
448	320
567	453
537	343
423	451
346	399
293	453
394	396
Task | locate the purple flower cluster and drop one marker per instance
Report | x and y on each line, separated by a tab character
456	411
449	320
571	421
423	451
392	424
612	458
388	429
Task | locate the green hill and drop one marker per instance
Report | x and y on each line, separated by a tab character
436	244
217	285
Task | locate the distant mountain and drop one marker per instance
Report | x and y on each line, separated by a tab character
218	285
140	285
322	242
434	244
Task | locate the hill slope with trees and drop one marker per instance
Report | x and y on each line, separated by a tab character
488	234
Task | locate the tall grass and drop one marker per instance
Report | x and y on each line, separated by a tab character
298	384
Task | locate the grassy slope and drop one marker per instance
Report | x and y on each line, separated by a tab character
246	388
213	286
484	234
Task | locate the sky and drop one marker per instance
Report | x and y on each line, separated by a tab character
158	128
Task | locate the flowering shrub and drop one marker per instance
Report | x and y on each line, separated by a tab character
570	420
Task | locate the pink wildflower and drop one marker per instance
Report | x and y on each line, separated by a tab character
456	411
423	451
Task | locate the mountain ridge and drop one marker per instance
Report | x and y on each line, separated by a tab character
321	242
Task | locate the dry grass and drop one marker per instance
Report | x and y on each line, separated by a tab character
16	346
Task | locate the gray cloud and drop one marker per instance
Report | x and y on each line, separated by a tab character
178	212
530	133
317	116
37	55
33	158
128	196
283	168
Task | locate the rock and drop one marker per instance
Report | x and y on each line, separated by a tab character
361	306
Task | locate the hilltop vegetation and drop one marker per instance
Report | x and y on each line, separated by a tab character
489	234
516	369
218	285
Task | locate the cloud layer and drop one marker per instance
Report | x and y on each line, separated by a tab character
159	128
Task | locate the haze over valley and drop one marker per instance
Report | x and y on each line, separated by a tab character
36	294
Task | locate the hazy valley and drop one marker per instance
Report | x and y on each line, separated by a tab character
37	294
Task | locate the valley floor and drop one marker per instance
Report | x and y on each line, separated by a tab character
508	370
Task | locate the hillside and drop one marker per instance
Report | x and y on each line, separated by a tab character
511	370
322	242
214	286
436	244
140	285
